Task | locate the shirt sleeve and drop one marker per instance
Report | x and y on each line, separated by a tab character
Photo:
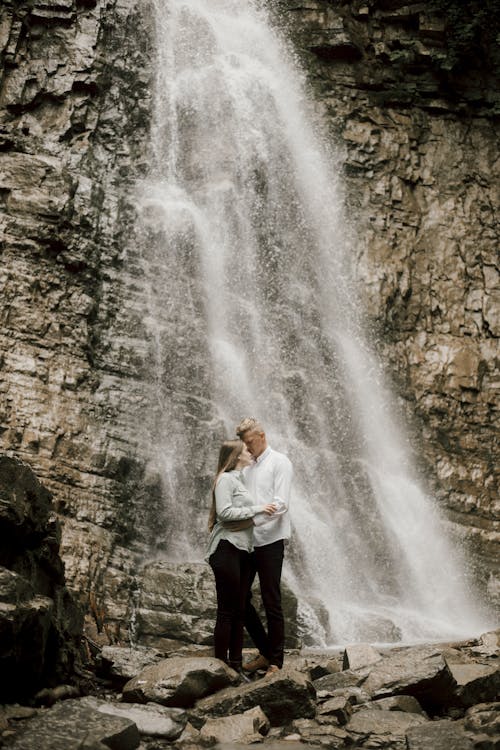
283	474
226	511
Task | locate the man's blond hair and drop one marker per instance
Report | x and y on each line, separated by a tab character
248	424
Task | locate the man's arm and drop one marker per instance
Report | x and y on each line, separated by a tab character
283	474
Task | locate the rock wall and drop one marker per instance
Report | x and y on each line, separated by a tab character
418	137
40	624
74	125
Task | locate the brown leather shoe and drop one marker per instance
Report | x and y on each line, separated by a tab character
260	662
272	669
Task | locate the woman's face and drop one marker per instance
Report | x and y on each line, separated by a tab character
245	458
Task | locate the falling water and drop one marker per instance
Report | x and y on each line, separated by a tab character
250	310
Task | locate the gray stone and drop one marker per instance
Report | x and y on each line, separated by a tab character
359	655
398	703
474	683
483	719
314	732
338	680
122	663
420	671
72	725
339	707
151	719
438	735
247	727
382	724
177	601
282	696
40	623
179	681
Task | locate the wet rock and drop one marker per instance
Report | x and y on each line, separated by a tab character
72	725
326	733
151	719
385	726
283	696
338	680
40	623
488	644
419	672
359	655
438	735
398	703
176	601
339	707
179	681
483	719
247	727
121	663
474	683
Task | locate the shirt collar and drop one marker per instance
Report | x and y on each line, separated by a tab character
263	455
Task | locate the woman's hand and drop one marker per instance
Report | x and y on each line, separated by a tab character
270	508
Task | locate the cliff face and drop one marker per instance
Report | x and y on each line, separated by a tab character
420	147
74	120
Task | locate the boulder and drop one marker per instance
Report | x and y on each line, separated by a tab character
283	696
179	681
73	725
340	708
385	726
438	735
121	664
398	703
474	683
151	719
324	733
247	727
40	623
176	601
419	671
338	680
483	718
359	655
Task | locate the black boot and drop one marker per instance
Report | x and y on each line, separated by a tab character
237	666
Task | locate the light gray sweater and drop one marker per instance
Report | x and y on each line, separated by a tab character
233	502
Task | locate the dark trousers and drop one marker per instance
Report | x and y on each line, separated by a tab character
231	567
267	562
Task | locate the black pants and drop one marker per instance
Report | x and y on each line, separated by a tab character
231	567
267	561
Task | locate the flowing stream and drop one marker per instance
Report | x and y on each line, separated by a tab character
251	311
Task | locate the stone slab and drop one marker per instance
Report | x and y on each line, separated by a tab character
73	725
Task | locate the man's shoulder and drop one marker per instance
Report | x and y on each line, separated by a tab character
280	458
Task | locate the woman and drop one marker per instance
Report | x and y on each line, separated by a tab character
229	549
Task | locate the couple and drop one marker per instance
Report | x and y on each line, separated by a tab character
249	522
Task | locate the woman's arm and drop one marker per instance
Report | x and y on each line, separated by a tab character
225	509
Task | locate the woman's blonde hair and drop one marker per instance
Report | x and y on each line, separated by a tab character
229	454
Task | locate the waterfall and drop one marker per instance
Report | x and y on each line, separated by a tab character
250	310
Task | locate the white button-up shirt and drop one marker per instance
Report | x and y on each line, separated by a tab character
269	480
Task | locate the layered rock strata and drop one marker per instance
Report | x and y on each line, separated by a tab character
74	98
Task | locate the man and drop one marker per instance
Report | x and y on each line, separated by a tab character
269	480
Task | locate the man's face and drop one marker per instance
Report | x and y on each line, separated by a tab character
255	442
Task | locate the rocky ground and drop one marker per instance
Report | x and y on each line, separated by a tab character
424	697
